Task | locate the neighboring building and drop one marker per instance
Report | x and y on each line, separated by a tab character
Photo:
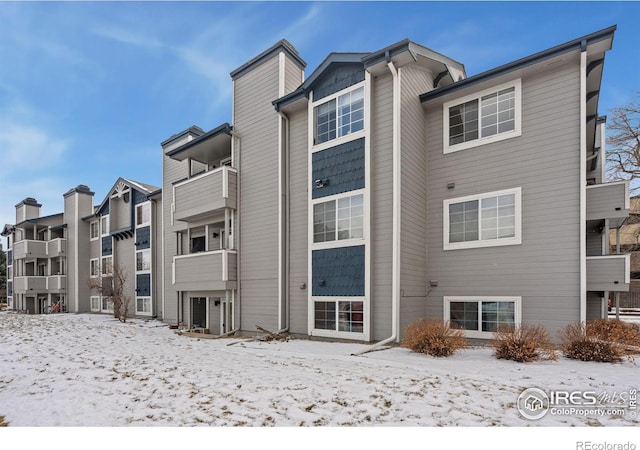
51	259
388	186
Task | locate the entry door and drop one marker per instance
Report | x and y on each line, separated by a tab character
199	312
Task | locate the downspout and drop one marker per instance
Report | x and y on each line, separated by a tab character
284	279
583	182
236	240
395	284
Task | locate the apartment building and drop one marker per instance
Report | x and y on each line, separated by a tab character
67	260
389	186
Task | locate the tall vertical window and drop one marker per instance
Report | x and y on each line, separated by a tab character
104	224
339	116
143	214
94	267
94	230
107	265
488	116
143	305
483	220
143	261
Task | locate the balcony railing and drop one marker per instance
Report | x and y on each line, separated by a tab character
608	201
56	283
28	284
56	247
206	271
29	249
204	194
608	273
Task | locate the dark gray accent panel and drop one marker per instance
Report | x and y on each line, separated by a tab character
107	246
341	166
143	285
338	271
9	258
138	197
143	238
337	78
104	210
9	288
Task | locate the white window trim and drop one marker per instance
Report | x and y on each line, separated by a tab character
109	304
102	263
102	231
342	139
517	311
141	313
517	131
335	333
97	260
141	205
516	240
344	242
97	224
91	299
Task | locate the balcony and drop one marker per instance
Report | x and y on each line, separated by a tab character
56	247
24	285
206	271
56	283
202	195
608	201
28	249
608	273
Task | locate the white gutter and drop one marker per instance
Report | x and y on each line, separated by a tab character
583	184
395	285
283	228
236	223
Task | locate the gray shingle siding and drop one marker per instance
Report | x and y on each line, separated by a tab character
9	288
139	197
338	271
143	239
340	77
107	246
342	166
143	285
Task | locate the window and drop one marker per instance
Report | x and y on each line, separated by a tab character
107	265
95	303
488	116
94	267
143	214
143	305
104	223
107	304
94	230
143	260
339	116
339	219
484	220
350	316
481	316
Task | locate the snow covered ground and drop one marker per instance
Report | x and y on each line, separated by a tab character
90	370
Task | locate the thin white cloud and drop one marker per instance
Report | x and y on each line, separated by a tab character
128	37
26	146
303	29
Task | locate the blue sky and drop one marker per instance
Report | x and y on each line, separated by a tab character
89	90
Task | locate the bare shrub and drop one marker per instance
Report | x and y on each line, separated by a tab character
524	343
113	286
598	341
433	337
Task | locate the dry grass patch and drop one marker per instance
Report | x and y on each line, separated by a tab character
524	343
3	423
433	337
600	340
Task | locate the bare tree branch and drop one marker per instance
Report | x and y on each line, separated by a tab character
113	285
623	142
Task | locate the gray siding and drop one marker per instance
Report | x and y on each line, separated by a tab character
294	76
257	122
413	216
607	274
156	257
594	306
594	243
341	166
203	272
606	201
203	196
381	206
120	215
298	230
544	161
77	298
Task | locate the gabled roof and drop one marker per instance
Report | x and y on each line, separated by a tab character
7	230
142	187
579	43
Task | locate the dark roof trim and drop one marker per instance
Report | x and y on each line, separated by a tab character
80	189
289	98
30	201
154	193
58	227
522	63
224	128
601	119
37	219
282	44
7	230
193	129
